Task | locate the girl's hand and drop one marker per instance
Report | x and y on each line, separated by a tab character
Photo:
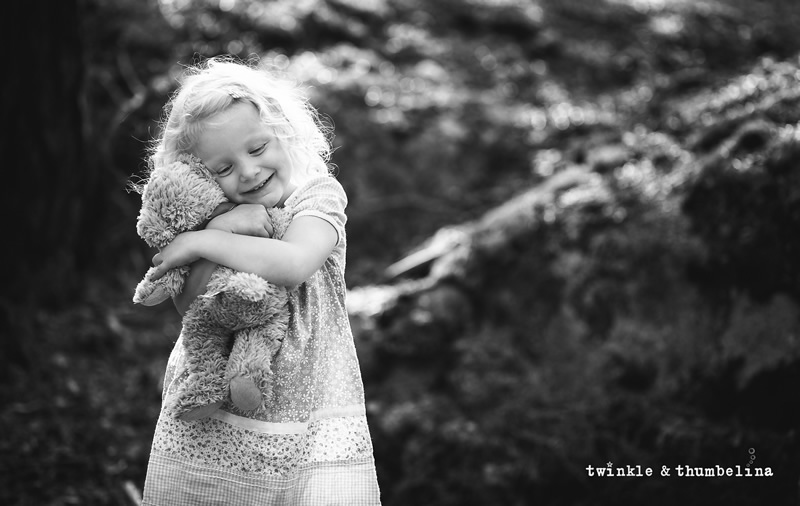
181	251
244	219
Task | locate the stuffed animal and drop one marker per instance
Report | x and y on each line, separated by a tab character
233	331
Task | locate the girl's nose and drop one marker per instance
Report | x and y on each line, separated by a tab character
249	171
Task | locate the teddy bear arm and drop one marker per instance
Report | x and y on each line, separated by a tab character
150	292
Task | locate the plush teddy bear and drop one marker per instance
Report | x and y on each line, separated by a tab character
233	331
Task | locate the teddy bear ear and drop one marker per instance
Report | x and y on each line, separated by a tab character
197	165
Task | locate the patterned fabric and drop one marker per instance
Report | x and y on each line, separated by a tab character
312	446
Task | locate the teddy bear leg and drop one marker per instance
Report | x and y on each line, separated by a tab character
205	388
199	412
250	366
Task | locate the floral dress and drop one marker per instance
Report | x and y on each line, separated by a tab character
312	446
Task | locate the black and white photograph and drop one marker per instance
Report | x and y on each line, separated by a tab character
400	253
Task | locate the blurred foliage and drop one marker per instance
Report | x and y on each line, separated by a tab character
77	424
576	325
612	189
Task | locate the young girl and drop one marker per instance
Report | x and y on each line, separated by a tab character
265	147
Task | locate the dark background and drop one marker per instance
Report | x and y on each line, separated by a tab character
612	193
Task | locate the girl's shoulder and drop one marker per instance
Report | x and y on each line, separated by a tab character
322	193
322	197
319	184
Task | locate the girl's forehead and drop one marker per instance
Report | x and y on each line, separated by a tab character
237	114
244	116
228	130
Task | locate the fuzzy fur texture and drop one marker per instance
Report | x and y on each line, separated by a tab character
177	197
232	332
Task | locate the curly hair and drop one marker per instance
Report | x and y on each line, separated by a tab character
217	83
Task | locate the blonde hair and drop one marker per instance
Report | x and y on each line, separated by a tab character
217	83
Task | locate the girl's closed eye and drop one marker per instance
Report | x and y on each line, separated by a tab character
224	171
259	149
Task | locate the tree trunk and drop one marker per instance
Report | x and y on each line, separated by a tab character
46	185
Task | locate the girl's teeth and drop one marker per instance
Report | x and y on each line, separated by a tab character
260	186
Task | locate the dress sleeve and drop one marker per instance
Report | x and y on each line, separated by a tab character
324	197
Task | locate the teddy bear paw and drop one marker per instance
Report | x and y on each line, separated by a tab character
245	395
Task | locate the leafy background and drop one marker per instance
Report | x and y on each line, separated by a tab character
606	194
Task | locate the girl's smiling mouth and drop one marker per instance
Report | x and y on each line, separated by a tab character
260	186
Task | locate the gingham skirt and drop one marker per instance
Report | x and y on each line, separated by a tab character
182	484
233	461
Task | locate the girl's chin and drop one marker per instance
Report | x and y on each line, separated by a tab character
269	200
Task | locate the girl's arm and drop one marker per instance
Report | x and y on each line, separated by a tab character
194	285
242	219
290	261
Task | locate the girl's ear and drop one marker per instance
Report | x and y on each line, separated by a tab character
301	164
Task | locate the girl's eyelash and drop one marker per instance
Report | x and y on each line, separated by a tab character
224	170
